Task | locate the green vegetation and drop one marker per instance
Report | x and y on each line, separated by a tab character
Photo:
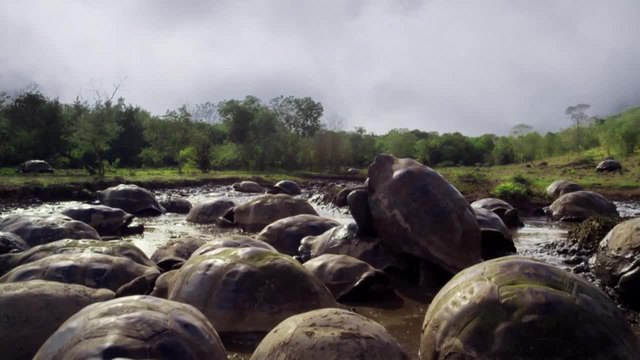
511	190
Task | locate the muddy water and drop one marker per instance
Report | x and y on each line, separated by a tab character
404	317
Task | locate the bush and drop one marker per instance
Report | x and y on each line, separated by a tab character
472	178
511	191
520	179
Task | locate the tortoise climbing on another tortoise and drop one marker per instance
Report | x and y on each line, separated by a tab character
135	327
132	199
329	334
519	308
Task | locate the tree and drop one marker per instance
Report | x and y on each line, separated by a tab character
301	116
577	114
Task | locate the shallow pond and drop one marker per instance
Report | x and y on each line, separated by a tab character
404	321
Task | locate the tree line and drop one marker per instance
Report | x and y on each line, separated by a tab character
287	133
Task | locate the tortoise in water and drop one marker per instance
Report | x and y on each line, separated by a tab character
210	212
328	334
286	187
579	205
172	254
105	219
497	239
256	214
348	278
346	240
519	308
31	311
71	246
11	243
232	241
176	205
609	165
561	187
42	229
618	260
35	166
115	273
285	234
503	209
248	187
358	201
247	291
135	327
417	212
132	199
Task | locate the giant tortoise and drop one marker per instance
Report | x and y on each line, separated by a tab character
70	246
248	187
176	205
285	234
328	334
231	241
115	273
31	311
561	187
135	327
42	229
35	166
256	214
172	254
286	187
519	308
348	278
618	260
497	239
579	205
417	212
247	291
211	211
11	243
609	165
132	199
105	219
503	209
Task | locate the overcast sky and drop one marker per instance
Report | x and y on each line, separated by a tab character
440	65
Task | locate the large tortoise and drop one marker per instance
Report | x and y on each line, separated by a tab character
115	273
519	308
231	241
172	254
256	214
503	209
71	246
329	334
417	212
132	199
618	260
11	243
346	240
348	278
105	219
286	187
176	205
42	229
285	234
211	211
35	166
31	311
561	187
135	327
579	205
247	291
248	187
497	239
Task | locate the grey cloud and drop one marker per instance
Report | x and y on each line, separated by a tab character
439	65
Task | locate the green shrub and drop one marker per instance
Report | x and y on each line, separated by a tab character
511	191
520	179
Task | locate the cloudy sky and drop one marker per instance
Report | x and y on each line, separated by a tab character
438	65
